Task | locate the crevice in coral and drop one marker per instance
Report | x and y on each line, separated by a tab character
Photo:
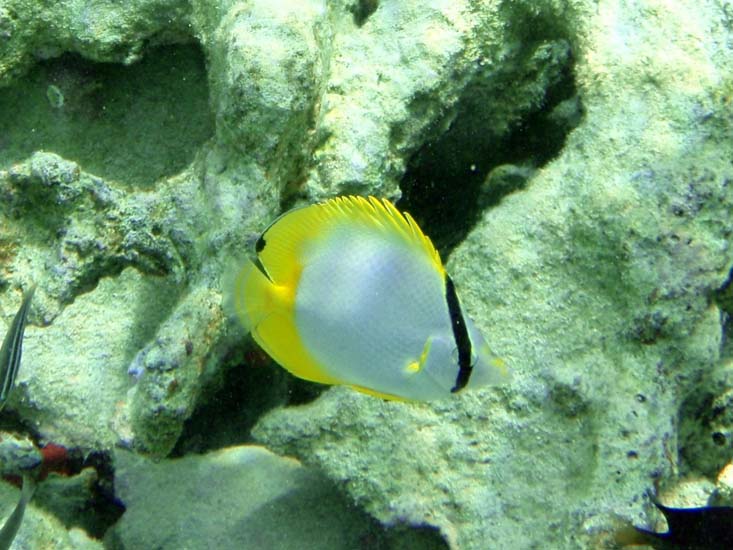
508	122
723	297
250	384
362	10
134	124
94	506
706	431
706	414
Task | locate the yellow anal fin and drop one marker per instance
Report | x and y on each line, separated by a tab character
373	393
267	311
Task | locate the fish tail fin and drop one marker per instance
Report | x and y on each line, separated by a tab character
253	296
266	311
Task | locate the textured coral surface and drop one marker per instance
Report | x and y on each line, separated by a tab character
571	160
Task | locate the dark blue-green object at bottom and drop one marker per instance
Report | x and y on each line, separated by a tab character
10	354
704	528
12	348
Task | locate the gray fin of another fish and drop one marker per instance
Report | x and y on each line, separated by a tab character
12	348
12	524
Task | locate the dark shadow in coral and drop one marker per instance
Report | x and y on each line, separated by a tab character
362	10
706	414
250	384
133	124
92	507
509	121
89	506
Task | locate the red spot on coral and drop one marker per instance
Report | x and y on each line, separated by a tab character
55	459
257	357
54	454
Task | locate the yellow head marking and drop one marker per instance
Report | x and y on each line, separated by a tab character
417	366
425	351
500	365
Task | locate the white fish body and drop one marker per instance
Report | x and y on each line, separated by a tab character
351	291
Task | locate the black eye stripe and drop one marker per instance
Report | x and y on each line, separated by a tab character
460	334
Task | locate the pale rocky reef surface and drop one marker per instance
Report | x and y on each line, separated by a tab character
572	160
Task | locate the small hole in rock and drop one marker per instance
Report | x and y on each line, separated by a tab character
362	10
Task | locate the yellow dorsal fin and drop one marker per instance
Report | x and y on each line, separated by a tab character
281	245
384	215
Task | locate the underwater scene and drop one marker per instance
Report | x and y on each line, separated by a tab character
366	274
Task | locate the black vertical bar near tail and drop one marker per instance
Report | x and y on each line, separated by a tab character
460	333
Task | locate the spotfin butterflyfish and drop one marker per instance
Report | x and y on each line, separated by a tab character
351	291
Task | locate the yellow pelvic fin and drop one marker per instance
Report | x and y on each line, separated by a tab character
267	311
425	351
